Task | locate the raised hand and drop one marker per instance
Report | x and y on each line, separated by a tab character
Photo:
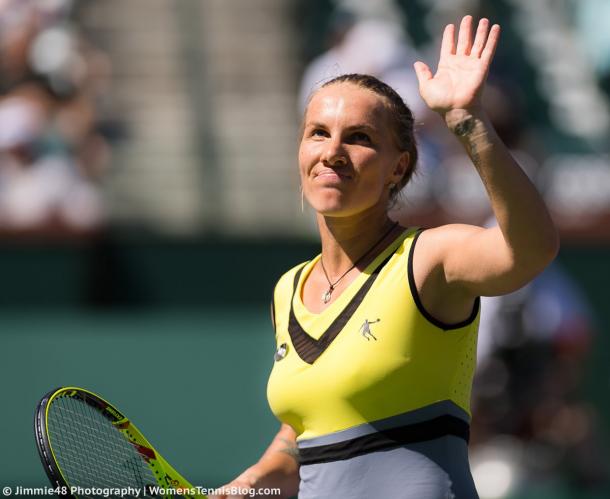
462	69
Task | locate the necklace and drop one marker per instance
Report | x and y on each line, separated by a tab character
331	285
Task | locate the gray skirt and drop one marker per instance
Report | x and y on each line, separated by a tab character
422	454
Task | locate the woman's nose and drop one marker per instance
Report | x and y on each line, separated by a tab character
334	153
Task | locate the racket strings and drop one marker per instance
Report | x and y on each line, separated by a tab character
102	453
92	432
107	449
82	468
70	454
90	451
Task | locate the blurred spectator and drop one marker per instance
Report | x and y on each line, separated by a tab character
52	152
591	19
372	46
533	347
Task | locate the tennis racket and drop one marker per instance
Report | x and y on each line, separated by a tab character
90	449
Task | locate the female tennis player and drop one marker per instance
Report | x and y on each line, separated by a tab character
376	336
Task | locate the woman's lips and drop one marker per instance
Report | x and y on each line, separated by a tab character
331	176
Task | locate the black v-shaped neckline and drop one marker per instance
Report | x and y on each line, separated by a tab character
309	348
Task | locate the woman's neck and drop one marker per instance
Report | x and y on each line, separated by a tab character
345	240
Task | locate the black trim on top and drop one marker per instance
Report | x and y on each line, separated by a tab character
386	439
307	347
440	324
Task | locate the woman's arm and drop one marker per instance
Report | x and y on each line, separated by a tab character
500	259
472	260
278	467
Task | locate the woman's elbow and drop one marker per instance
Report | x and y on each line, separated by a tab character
550	247
538	256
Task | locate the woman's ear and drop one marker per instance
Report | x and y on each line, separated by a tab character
401	168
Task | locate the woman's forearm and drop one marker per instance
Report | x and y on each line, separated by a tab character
278	466
522	216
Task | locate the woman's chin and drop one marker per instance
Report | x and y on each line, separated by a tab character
329	208
327	204
337	210
339	206
329	211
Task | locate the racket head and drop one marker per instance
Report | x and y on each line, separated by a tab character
84	441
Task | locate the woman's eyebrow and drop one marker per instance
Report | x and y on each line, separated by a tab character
314	124
363	126
358	126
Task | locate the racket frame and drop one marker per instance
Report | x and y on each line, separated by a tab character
165	475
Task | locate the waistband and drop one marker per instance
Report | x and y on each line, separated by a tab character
436	421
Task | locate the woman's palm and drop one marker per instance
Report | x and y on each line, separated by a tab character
462	70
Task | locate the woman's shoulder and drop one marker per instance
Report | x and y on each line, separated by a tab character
434	242
287	278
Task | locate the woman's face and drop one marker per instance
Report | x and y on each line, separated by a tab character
348	156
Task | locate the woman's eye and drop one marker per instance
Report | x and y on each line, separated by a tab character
318	132
360	137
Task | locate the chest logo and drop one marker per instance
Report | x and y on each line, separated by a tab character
365	329
281	352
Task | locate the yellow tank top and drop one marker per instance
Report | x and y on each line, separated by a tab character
373	353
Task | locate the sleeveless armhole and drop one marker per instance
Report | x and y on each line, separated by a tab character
429	317
283	286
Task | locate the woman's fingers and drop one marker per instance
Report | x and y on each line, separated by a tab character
423	72
492	42
448	43
483	46
480	38
465	36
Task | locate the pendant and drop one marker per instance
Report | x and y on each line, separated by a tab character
326	296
